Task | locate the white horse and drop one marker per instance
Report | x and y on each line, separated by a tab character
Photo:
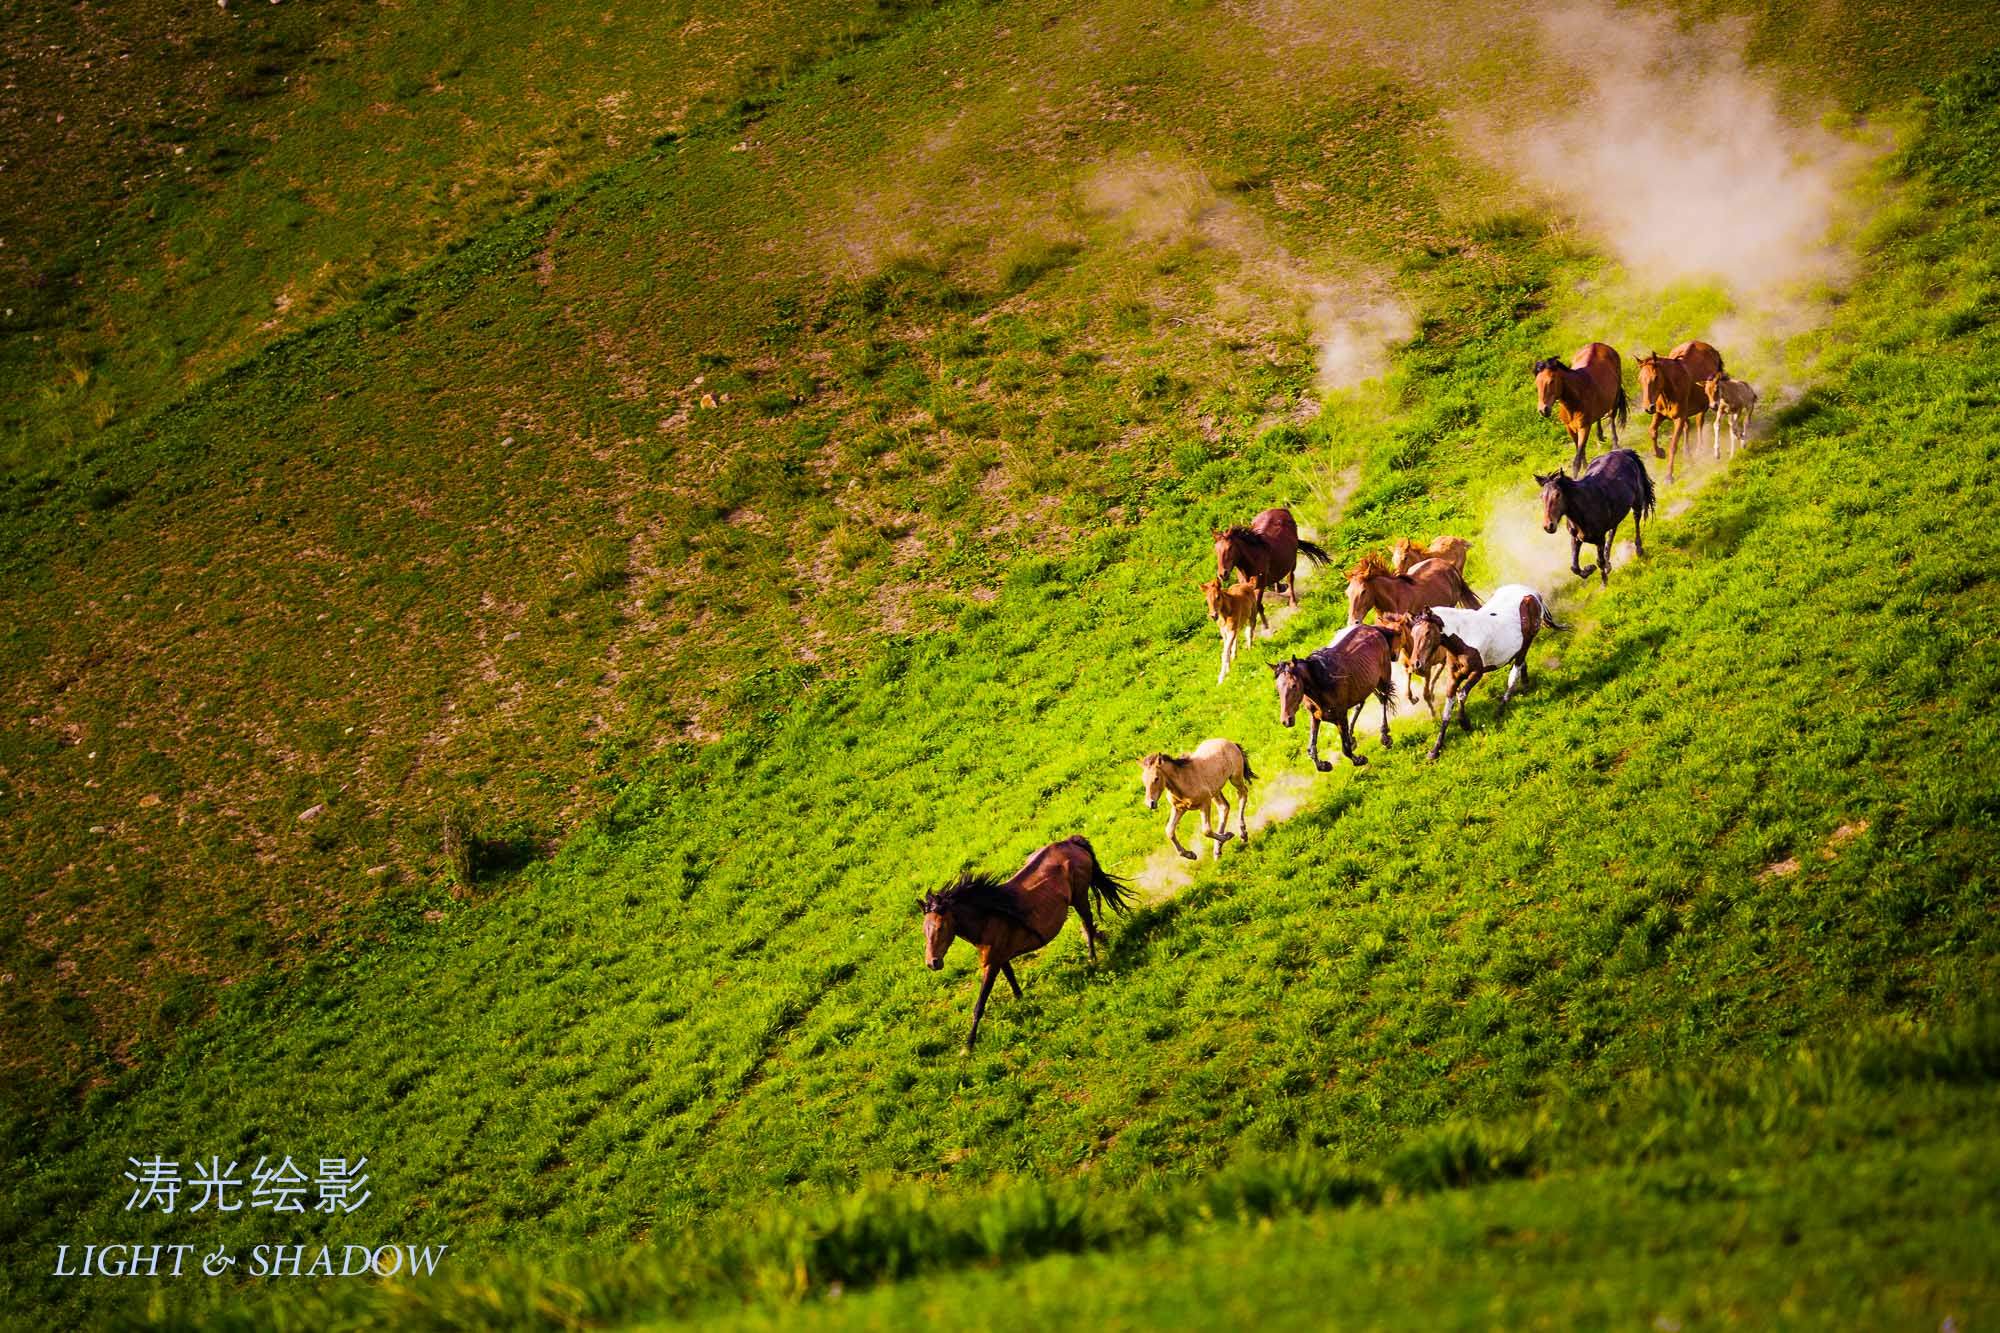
1195	780
1734	402
1476	642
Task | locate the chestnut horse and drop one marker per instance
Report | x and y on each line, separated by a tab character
1614	485
1587	392
1267	552
1670	389
1335	679
1371	587
1451	550
1007	918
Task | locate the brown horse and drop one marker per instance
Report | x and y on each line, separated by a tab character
1670	389
1267	552
1396	625
1371	587
1004	919
1451	550
1587	392
1335	679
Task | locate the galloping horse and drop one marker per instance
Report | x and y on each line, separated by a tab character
1267	552
1735	402
1670	389
1371	587
1335	679
1236	611
1476	642
1194	781
1587	392
1614	485
1451	550
1007	918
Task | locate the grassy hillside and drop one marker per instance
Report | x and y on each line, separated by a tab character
915	596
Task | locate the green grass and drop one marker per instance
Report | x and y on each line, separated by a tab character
1741	813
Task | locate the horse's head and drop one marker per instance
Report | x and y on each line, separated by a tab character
1225	550
939	931
1211	592
1649	381
1407	554
1291	679
1426	633
1548	384
1708	385
1553	486
1368	568
1153	777
1397	624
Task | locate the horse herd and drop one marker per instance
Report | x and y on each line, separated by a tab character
1427	617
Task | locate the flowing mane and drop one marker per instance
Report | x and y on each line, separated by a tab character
979	894
1372	566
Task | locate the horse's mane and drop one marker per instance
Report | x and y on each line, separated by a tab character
981	893
1549	363
1231	534
1372	566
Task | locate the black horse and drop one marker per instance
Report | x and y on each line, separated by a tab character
1614	485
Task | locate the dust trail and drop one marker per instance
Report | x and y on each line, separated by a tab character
1354	319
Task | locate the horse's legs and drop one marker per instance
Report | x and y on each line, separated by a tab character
1007	971
1517	675
1082	905
1604	560
1292	582
1654	436
1638	537
1242	786
1312	746
1208	829
1173	824
979	1005
1575	549
1444	723
1465	705
1347	737
1228	654
1582	446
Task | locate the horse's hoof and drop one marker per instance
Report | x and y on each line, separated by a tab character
1188	855
1357	761
1222	837
1388	744
1322	766
1432	756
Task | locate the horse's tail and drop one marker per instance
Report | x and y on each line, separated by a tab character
1645	505
1385	692
1618	407
1548	617
1466	596
1110	891
1248	776
1314	552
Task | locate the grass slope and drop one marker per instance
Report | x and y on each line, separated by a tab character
1740	810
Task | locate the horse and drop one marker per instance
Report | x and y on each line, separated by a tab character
1451	550
1371	587
1267	552
1236	611
1338	677
1670	389
1004	919
1587	392
1614	485
1193	781
1397	625
1735	402
1473	643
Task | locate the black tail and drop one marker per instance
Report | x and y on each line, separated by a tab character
1645	506
1314	552
1548	617
1385	694
1248	776
1618	409
1110	891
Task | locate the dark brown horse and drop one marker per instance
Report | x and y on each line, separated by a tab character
1267	552
1588	392
1004	919
1335	679
1614	485
1670	390
1371	587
